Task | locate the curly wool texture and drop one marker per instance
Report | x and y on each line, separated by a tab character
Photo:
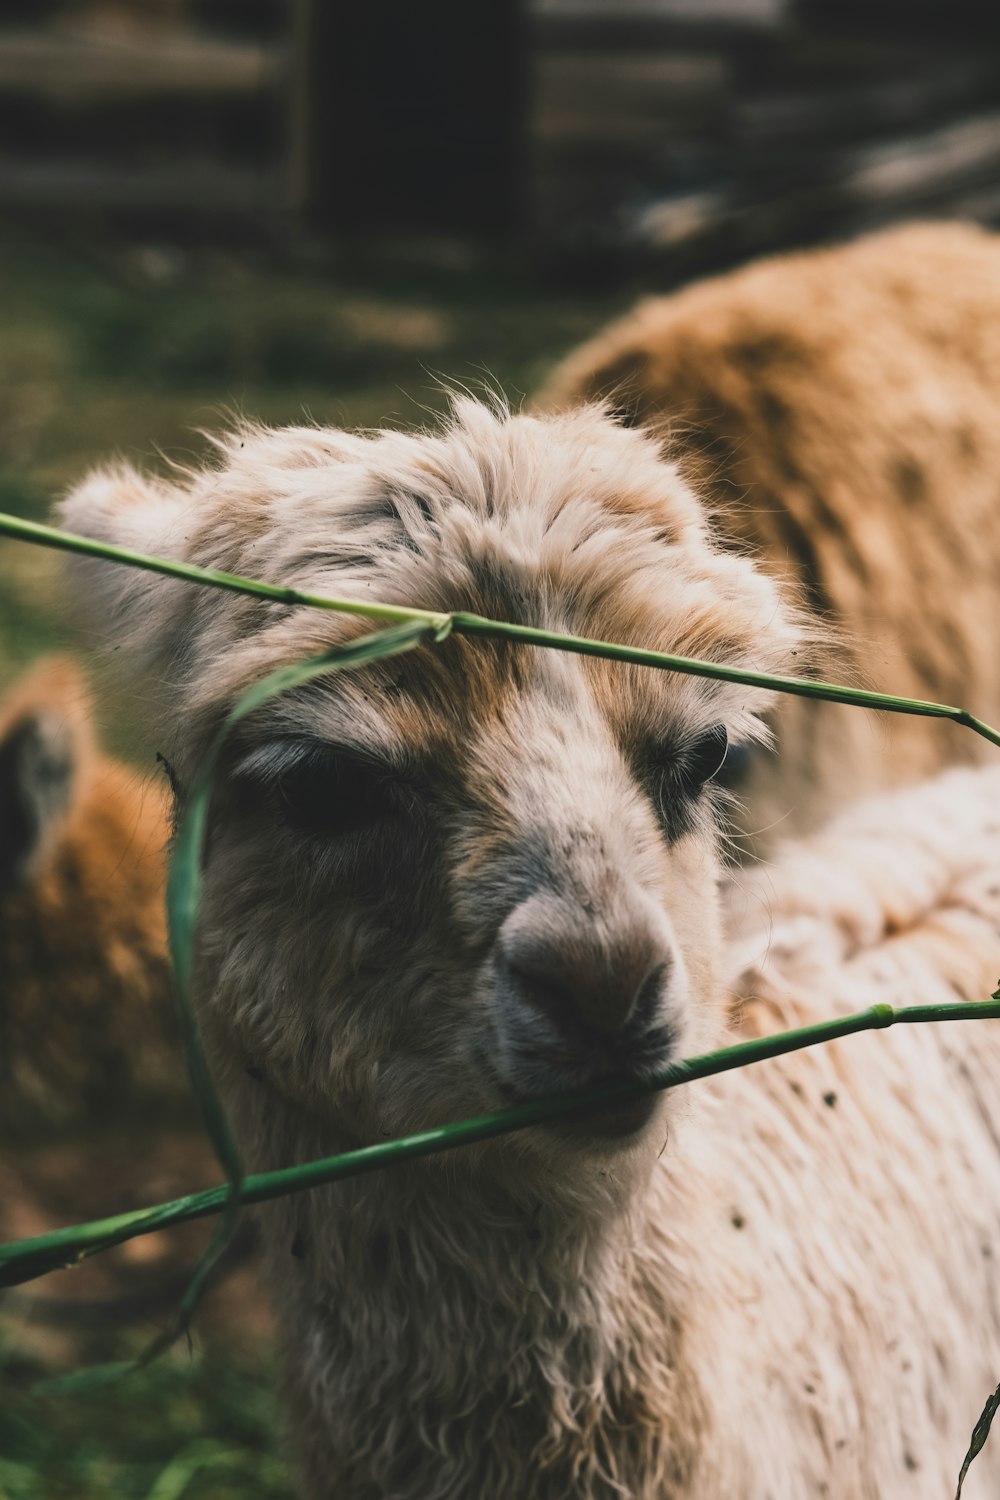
864	1175
840	409
86	1016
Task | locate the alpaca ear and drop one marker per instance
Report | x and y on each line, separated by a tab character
126	509
121	506
44	747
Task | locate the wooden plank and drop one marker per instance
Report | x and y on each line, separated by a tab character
90	66
667	82
601	25
858	106
905	171
702	12
619	134
624	103
207	189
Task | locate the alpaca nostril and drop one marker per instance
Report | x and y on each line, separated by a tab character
542	992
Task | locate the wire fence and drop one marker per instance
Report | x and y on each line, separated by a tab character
26	1259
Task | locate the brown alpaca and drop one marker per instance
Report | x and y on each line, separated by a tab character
841	410
95	1109
86	1019
483	872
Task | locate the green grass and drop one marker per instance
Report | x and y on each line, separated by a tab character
186	1425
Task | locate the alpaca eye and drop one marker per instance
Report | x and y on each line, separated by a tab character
677	774
705	758
334	794
319	789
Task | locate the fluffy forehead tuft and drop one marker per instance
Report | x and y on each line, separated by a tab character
488	482
569	522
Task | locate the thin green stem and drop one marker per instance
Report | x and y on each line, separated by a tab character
66	541
462	623
801	687
24	1260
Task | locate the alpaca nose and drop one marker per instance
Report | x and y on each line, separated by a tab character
584	980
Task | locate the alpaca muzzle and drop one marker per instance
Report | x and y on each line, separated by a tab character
580	998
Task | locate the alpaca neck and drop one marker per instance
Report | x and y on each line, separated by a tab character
518	1342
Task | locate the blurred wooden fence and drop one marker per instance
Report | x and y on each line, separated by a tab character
693	130
710	129
166	110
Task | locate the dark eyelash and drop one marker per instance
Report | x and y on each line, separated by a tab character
329	793
702	761
688	764
681	774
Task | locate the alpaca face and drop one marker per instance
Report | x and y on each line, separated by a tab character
509	900
480	872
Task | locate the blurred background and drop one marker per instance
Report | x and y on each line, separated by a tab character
322	209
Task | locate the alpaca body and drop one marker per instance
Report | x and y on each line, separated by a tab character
840	410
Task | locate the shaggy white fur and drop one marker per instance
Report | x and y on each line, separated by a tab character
863	1178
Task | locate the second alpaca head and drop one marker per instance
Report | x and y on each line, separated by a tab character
86	1012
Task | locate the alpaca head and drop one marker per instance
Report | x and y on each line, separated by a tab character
86	1019
481	871
46	752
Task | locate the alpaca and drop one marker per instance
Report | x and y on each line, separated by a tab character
88	1038
483	872
841	408
86	1017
